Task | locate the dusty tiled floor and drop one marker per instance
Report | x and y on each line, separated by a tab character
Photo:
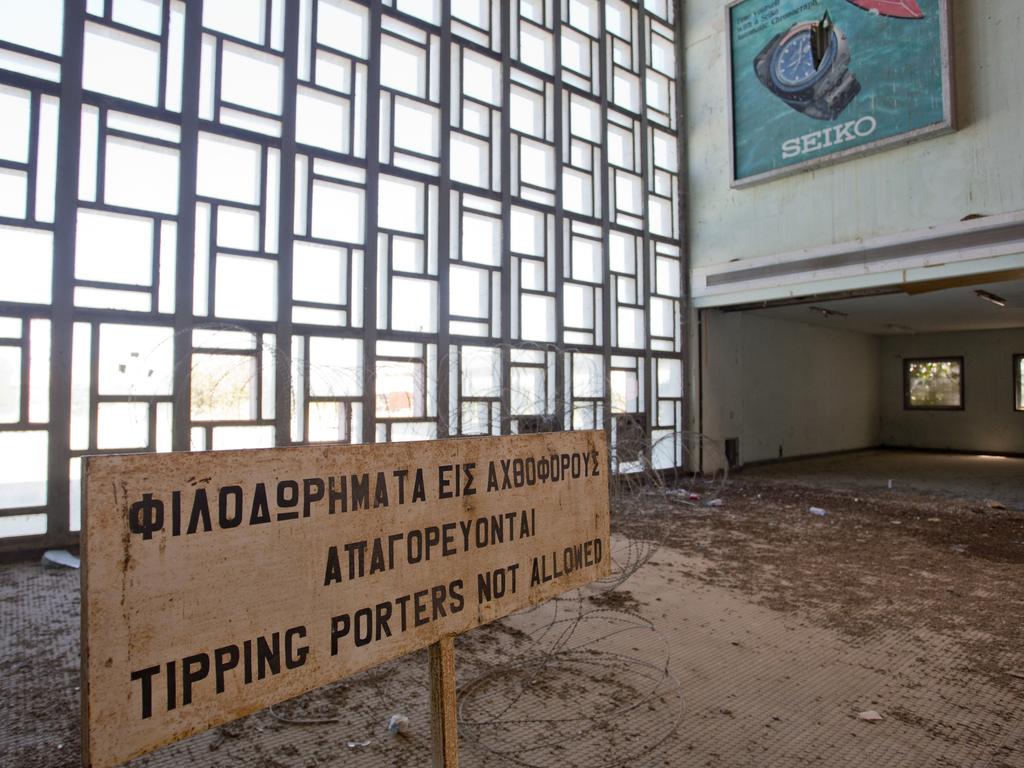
753	638
955	475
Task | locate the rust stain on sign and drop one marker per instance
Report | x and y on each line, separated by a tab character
286	569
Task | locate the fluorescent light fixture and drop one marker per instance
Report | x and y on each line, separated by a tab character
999	301
824	312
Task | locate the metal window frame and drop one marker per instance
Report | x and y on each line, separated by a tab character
63	314
908	361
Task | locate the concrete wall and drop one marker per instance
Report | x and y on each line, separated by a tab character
779	384
988	422
933	183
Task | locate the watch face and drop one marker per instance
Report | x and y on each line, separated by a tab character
792	65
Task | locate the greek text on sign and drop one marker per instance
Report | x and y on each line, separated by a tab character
216	584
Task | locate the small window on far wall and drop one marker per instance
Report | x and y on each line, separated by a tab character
935	383
1018	382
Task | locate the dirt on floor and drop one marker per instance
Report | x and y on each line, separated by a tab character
874	580
865	562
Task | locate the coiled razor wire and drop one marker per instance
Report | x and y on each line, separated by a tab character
569	695
573	697
589	686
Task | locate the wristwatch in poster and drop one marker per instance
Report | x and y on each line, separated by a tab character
816	83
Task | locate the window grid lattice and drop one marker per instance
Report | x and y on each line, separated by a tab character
244	223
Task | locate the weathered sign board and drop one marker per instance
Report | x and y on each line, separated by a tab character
216	584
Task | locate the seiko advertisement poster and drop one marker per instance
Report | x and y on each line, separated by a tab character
816	81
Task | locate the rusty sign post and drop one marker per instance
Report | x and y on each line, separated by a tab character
217	584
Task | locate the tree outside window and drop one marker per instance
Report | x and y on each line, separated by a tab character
1018	382
933	384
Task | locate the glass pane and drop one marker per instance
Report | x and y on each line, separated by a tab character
403	66
407	254
401	205
114	248
481	372
327	422
136	360
37	24
584	15
538	322
238	228
251	79
631	327
143	14
322	120
223	387
481	78
624	391
416	127
470	292
536	48
428	10
13	192
528	390
469	160
400	389
670	382
246	288
934	383
335	367
140	175
26	256
579	306
10	384
337	212
586	260
526	111
39	371
481	239
221	339
122	425
101	298
476	12
240	438
240	18
587	375
16	107
22	525
23	470
229	169
413	305
405	432
1020	383
527	232
121	64
343	25
319	273
537	164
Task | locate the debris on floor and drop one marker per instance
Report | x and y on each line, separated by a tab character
59	558
818	511
870	715
397	724
833	614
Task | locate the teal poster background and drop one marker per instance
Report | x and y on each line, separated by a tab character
897	62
